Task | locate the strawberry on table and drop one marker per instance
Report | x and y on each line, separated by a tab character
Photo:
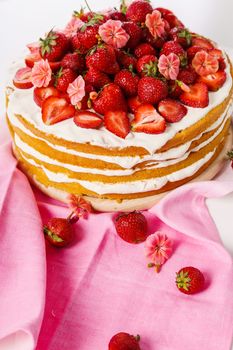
40	94
190	280
152	90
87	119
64	77
138	10
148	120
56	109
103	58
54	46
172	110
22	78
197	97
118	123
110	98
214	81
132	227
124	341
59	232
74	61
147	65
127	81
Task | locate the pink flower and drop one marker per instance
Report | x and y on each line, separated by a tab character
155	24
76	90
41	73
158	249
78	205
169	66
72	26
205	63
112	33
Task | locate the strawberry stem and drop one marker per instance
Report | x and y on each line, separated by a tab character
88	6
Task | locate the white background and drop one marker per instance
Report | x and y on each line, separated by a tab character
24	21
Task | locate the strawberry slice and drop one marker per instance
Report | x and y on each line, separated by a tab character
202	42
88	120
214	81
172	110
40	94
134	103
22	78
117	122
148	120
197	97
56	109
32	58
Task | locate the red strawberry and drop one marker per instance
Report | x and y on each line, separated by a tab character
59	232
170	18
88	36
182	36
117	122
103	59
172	110
138	10
135	33
187	75
73	61
125	59
219	55
156	43
147	66
40	94
127	81
132	227
110	98
118	16
22	78
174	47
76	45
197	96
124	341
56	109
134	103
148	120
191	52
32	58
55	65
64	77
190	280
54	46
96	78
144	49
88	120
214	81
202	42
152	90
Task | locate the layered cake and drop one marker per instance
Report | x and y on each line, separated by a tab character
119	105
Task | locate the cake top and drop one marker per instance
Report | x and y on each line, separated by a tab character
133	70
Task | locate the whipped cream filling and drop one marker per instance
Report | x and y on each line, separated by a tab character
152	165
129	187
21	102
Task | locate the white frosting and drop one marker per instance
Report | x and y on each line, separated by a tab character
21	102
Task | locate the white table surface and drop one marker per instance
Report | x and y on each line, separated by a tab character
24	21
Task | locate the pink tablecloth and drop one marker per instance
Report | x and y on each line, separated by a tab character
100	285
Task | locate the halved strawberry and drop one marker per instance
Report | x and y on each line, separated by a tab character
197	97
56	109
214	81
32	58
40	94
88	120
172	110
148	120
22	78
134	103
117	122
202	42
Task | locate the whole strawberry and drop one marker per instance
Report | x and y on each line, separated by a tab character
128	82
132	227
73	61
138	10
175	47
147	66
54	46
144	49
152	90
190	280
124	341
111	99
64	77
96	78
59	232
135	33
88	36
125	59
103	58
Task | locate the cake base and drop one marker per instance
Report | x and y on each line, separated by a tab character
107	205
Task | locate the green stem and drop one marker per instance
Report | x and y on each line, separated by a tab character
88	6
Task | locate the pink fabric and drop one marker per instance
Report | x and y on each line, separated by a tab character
101	285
